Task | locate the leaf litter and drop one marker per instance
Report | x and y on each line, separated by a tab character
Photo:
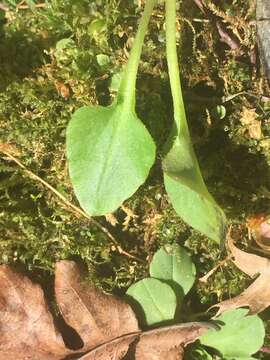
257	296
107	326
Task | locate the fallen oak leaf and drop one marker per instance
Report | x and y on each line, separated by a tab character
97	317
115	349
250	264
167	343
27	328
257	295
28	332
102	319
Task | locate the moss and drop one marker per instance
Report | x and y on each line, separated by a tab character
50	67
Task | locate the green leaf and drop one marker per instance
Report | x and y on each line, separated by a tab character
240	336
110	153
109	150
103	59
198	354
183	180
190	200
218	112
154	301
96	27
173	264
115	82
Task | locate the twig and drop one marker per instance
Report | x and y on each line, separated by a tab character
200	4
23	6
76	210
205	278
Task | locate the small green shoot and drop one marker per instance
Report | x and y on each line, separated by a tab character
154	300
173	265
109	150
183	180
198	353
218	112
239	337
172	275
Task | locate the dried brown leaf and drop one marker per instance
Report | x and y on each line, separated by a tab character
27	328
115	350
250	264
257	295
62	89
248	119
165	343
259	230
111	219
168	343
9	148
107	325
97	317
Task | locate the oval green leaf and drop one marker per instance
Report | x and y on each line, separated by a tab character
154	301
173	264
109	150
110	153
240	336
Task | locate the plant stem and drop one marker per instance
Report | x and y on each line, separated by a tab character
127	90
173	67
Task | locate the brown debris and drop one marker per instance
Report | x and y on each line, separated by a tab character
170	340
107	326
259	230
116	349
27	328
257	295
96	317
62	89
225	37
253	126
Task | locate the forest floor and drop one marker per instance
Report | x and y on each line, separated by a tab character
55	58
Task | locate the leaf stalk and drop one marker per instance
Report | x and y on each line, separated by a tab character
127	89
173	68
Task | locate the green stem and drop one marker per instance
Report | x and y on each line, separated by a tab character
127	89
173	67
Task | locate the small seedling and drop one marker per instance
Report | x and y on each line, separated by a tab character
109	150
183	180
154	300
237	335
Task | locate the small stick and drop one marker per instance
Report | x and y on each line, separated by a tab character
23	6
205	278
76	210
201	5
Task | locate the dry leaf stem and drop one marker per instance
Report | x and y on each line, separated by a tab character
73	208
